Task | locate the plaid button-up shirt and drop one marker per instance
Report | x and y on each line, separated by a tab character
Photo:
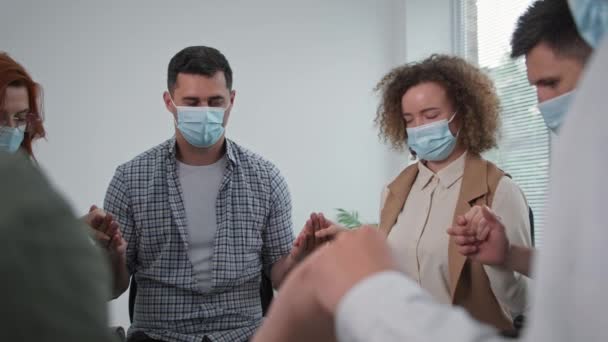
254	230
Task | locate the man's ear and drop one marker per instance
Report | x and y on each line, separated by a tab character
232	96
169	103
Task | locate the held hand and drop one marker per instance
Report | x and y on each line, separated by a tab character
331	232
106	231
307	241
481	236
304	309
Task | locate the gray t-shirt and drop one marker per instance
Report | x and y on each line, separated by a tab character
200	187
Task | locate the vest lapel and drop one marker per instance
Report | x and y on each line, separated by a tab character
471	288
398	191
474	186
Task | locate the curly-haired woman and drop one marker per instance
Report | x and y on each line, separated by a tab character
446	112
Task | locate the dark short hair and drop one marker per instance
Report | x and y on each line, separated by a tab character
198	60
551	22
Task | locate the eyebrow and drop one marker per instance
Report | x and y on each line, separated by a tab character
546	80
20	112
429	109
215	98
197	99
423	111
191	99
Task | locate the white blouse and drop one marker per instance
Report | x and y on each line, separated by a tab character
420	241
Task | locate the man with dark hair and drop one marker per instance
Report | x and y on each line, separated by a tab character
556	54
202	217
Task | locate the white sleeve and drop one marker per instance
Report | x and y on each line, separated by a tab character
390	307
571	275
511	288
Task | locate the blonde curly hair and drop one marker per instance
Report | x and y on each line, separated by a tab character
470	91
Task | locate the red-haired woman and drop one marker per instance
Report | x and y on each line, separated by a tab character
20	107
21	123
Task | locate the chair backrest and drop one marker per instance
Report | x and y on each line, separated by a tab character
531	215
132	295
266	294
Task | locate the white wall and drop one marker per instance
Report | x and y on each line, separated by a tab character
421	28
429	28
304	73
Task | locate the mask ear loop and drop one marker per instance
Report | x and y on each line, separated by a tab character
450	121
171	98
413	155
174	105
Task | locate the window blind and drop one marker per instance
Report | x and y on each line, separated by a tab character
483	38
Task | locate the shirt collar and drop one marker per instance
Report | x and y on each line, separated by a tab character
425	175
447	176
230	150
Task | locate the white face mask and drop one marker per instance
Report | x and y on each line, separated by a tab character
591	18
200	126
433	142
554	110
11	138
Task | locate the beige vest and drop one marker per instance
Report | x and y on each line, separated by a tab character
469	284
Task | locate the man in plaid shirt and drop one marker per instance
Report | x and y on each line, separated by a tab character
201	217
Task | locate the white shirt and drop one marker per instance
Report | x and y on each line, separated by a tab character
572	277
420	243
200	186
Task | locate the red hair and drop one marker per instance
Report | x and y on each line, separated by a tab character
12	74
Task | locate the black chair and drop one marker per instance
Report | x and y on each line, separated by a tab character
266	294
531	215
132	295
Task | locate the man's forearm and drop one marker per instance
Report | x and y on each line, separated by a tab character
280	269
519	259
121	277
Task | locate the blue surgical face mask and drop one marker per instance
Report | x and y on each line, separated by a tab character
432	142
554	110
10	138
201	126
591	18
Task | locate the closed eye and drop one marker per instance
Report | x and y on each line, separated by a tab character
408	118
549	83
216	101
431	115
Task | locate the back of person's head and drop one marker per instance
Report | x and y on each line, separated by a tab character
55	282
12	74
198	60
549	22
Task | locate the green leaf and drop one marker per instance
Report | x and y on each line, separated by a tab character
349	219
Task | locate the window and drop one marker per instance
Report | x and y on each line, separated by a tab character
484	34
